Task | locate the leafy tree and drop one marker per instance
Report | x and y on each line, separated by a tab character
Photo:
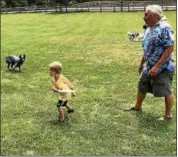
41	2
3	4
31	2
10	3
21	3
16	3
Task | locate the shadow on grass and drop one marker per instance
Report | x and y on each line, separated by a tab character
149	122
14	71
65	123
56	122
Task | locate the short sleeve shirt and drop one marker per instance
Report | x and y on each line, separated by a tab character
61	85
155	41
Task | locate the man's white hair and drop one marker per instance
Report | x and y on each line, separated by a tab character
156	9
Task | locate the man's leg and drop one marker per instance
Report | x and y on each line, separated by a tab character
144	87
140	98
169	100
161	91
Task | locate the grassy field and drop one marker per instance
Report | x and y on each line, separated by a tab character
103	64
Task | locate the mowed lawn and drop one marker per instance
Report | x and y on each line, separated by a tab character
103	64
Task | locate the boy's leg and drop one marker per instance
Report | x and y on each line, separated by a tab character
60	106
70	109
61	114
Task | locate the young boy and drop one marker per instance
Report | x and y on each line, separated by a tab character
62	85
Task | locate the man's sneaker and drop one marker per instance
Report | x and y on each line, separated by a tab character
133	109
165	118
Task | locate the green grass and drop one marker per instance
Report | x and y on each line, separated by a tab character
103	64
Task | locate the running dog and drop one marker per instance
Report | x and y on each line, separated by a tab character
14	61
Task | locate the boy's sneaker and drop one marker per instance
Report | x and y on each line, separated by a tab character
61	120
70	110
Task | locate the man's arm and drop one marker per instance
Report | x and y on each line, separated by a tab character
141	65
166	55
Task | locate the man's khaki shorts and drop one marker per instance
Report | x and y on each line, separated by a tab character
160	85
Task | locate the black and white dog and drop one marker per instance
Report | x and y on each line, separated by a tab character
135	35
14	61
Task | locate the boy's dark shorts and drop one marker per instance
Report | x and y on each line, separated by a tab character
61	103
159	86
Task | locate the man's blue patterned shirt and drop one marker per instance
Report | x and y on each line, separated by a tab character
156	40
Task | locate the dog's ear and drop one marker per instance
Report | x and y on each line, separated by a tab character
24	56
20	56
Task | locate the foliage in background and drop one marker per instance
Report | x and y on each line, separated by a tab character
22	3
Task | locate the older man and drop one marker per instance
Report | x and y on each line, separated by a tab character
157	75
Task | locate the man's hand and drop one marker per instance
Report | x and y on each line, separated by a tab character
166	55
153	71
140	69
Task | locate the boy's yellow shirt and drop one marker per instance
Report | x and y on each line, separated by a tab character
63	84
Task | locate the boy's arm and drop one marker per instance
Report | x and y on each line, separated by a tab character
54	89
53	86
71	86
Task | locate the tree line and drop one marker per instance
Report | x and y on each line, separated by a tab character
23	3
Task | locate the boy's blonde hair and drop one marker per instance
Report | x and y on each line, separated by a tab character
55	66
